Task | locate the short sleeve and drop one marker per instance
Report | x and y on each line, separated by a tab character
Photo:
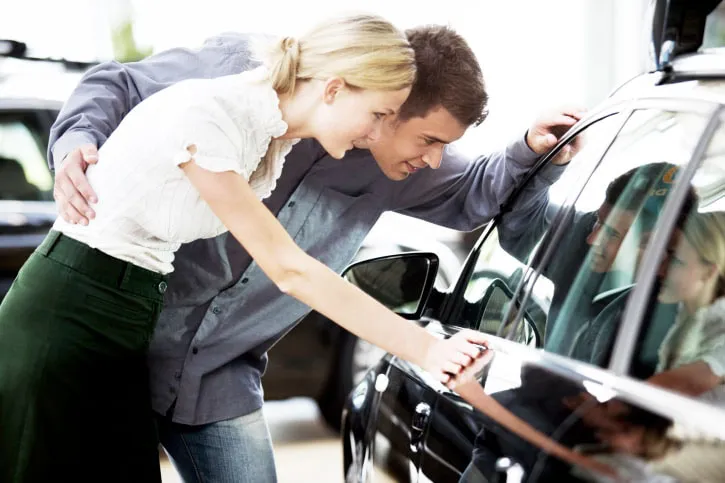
211	141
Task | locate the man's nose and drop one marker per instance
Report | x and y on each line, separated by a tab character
592	238
433	157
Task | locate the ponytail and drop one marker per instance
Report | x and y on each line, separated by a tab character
284	62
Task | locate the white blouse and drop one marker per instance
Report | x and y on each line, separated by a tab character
146	206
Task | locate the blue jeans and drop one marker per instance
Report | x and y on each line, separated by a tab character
229	451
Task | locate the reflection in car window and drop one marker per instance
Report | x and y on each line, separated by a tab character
594	265
508	249
685	352
24	174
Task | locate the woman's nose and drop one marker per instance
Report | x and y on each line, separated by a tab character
374	133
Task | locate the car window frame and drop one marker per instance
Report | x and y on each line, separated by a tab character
633	317
454	303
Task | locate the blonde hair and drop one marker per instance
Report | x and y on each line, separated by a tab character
366	51
706	233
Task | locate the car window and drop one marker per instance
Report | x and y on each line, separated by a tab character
505	254
681	345
592	263
714	35
24	174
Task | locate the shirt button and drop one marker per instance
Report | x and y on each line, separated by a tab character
216	310
177	375
162	286
245	280
291	204
194	350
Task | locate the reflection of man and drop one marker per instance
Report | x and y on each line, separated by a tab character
593	237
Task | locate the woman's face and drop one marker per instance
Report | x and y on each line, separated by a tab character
350	115
684	274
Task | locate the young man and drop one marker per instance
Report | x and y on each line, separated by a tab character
222	314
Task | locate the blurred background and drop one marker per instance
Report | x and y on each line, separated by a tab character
534	54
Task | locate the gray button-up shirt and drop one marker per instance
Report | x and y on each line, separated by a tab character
222	313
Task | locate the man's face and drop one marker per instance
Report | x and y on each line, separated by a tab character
404	147
607	235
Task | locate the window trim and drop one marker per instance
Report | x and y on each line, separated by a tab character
551	238
707	108
450	310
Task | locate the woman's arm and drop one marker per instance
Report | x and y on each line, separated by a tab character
691	379
301	276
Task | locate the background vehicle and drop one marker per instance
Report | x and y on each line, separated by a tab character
400	423
318	359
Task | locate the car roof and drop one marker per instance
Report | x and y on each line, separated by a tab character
677	28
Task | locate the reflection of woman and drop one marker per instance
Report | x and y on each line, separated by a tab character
192	161
692	355
691	358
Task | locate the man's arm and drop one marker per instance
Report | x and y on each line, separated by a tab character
110	90
464	194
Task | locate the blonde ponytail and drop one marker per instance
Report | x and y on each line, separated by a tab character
367	51
283	64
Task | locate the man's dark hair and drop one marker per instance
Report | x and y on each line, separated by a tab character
448	76
644	189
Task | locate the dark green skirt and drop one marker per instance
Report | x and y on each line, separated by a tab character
74	396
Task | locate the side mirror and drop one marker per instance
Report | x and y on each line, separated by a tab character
494	306
402	282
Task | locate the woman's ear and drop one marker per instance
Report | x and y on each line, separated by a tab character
711	272
333	88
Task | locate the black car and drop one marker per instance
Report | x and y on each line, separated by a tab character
604	310
317	359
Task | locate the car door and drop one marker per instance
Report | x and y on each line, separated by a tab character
564	395
403	402
491	280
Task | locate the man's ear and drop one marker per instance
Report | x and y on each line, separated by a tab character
333	88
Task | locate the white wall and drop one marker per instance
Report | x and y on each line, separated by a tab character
535	54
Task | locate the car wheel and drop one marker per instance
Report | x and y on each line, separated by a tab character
354	359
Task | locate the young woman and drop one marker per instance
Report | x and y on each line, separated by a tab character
191	161
692	355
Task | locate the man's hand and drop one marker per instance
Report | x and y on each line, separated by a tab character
549	128
72	192
448	358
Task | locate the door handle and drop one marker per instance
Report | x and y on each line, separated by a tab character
421	414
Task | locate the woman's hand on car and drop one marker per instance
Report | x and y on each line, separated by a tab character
456	359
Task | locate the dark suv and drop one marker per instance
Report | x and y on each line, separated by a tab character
606	311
